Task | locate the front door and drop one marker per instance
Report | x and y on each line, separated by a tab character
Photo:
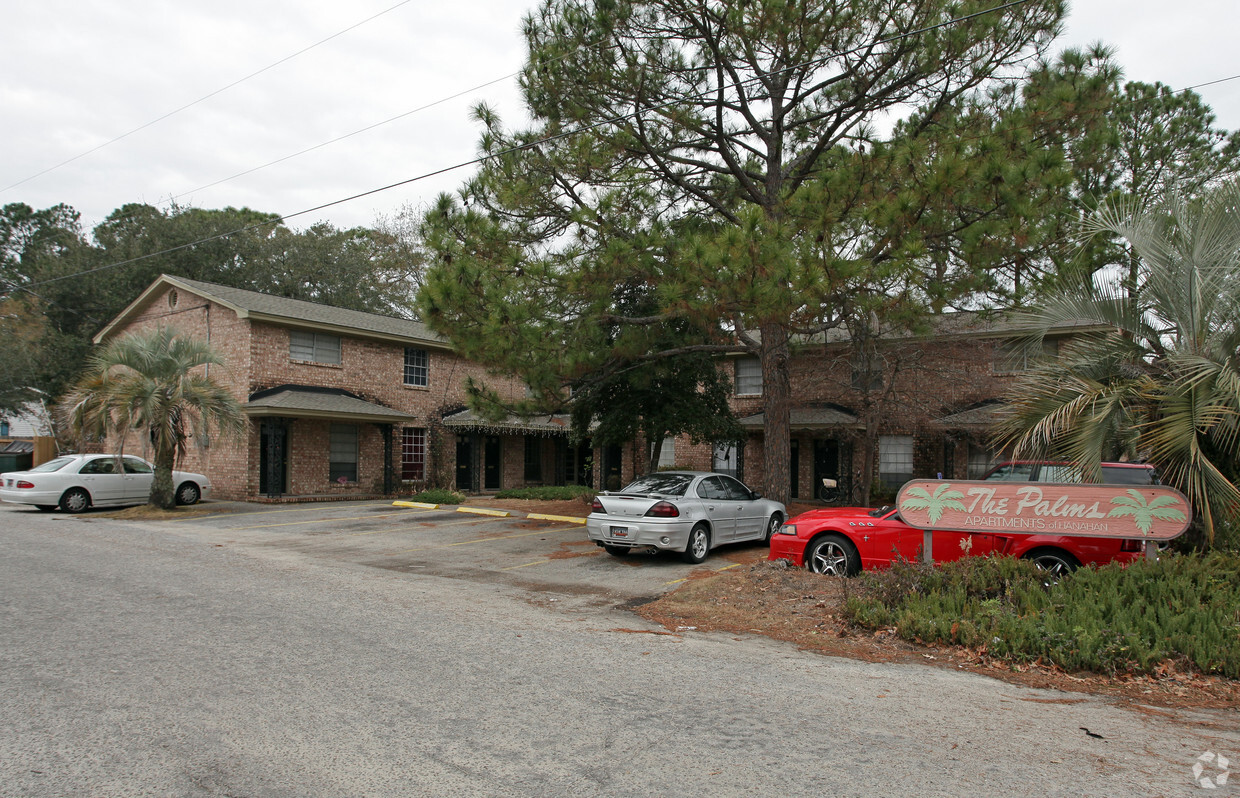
273	458
826	462
493	462
465	463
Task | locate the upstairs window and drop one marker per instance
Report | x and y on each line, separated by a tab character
1015	356
315	347
749	377
417	367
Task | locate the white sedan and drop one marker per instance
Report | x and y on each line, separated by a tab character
77	481
690	512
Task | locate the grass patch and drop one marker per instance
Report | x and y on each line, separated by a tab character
1183	610
549	493
438	496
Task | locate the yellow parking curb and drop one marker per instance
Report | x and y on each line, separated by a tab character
418	505
479	511
565	518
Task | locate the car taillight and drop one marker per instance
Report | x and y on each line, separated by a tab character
1131	545
21	483
664	510
596	506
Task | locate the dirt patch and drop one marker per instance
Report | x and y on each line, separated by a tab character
147	512
792	604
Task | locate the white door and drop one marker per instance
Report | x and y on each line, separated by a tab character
138	477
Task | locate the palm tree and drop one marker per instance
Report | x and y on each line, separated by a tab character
151	381
1164	382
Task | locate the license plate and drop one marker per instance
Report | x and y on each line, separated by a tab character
619	531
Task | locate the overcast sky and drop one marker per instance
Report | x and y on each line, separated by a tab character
79	74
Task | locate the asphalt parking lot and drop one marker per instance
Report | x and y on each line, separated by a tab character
552	557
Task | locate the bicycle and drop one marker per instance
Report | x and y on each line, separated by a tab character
832	492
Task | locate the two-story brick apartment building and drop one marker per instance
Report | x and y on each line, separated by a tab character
345	403
916	406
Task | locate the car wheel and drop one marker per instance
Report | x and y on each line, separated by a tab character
699	545
47	508
188	493
772	526
617	551
1056	563
75	500
833	555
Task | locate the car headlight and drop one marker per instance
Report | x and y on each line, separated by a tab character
787	529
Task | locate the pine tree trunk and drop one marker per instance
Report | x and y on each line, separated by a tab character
776	403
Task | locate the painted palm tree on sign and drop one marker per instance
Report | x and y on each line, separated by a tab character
152	381
1144	513
1164	382
943	498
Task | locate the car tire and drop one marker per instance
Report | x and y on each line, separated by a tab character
47	508
1057	563
188	493
75	500
772	526
833	555
617	551
698	546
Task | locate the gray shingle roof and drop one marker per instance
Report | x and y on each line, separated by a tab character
807	418
292	312
466	419
326	403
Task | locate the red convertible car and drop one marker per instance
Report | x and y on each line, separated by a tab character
845	540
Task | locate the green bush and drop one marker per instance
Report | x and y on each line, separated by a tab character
1110	620
549	493
439	496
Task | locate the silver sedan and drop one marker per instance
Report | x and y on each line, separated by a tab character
690	512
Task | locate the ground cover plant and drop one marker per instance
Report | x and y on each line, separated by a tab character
1179	612
549	493
439	496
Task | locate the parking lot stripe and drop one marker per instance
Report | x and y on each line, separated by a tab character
478	540
318	507
524	565
315	521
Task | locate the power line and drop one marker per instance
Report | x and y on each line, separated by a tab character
203	98
529	145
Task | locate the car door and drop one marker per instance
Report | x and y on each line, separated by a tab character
749	521
138	477
719	509
103	479
945	546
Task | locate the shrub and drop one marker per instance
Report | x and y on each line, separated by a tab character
439	496
1114	619
549	493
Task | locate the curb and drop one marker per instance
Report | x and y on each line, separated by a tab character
480	511
416	505
565	518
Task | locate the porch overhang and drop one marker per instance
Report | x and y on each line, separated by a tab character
326	404
468	421
809	418
974	419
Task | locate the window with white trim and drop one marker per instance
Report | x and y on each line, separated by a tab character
1012	357
315	347
417	367
413	454
667	453
749	377
342	456
895	459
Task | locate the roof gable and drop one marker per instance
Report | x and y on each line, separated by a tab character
283	311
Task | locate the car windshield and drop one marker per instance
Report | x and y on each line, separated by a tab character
666	484
879	512
53	465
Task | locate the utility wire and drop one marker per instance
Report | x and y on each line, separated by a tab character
529	145
203	98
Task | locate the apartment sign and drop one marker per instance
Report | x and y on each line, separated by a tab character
1147	512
